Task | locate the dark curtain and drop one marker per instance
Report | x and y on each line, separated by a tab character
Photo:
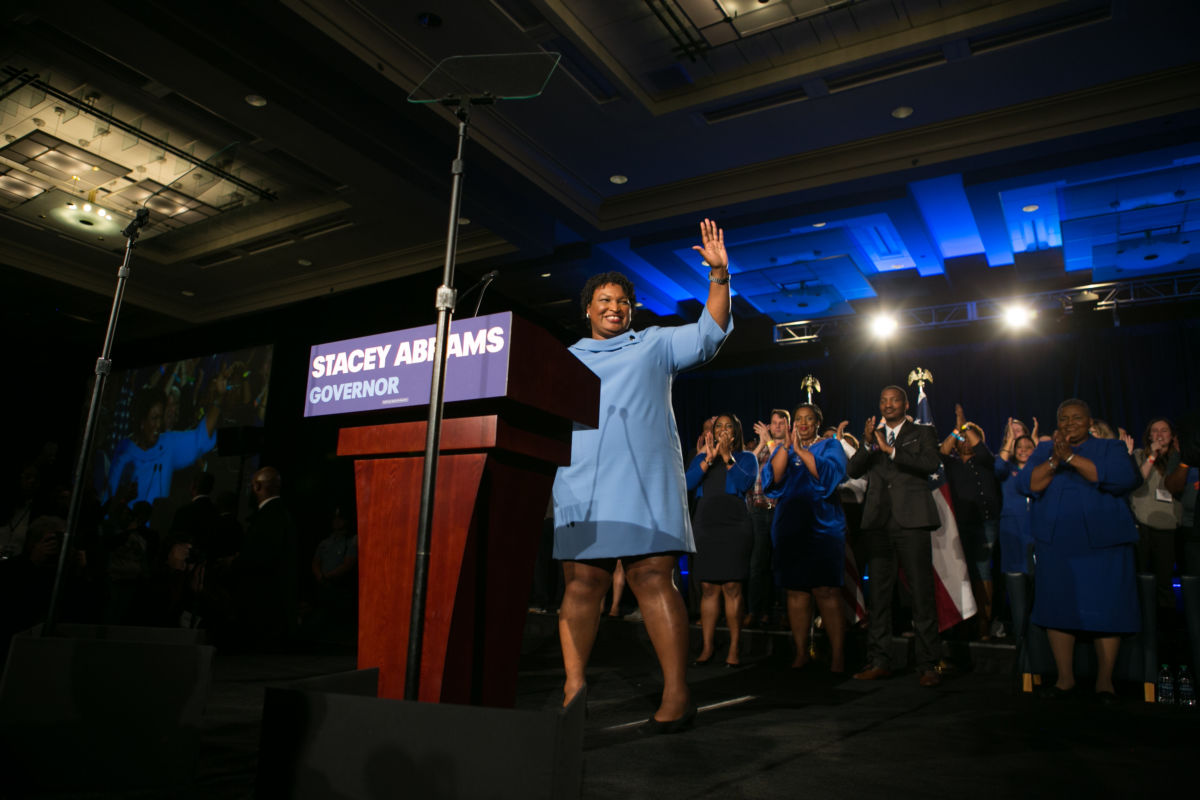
1128	376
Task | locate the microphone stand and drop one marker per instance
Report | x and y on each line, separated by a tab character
484	282
103	368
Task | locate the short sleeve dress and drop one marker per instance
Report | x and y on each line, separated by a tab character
624	492
809	531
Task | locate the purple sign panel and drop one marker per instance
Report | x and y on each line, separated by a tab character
394	370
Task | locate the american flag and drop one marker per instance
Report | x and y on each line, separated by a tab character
952	584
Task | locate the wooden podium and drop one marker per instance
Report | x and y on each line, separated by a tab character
497	463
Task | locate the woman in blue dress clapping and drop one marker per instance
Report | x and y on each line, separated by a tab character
721	476
1084	537
809	532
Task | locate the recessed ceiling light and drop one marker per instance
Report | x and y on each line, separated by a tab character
95	168
820	224
304	262
902	112
1029	209
256	100
188	293
545	274
87	206
464	220
618	179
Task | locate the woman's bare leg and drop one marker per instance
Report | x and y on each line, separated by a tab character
618	588
710	609
653	583
1062	646
799	608
829	603
1106	659
733	616
578	619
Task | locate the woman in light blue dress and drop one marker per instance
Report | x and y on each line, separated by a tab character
624	495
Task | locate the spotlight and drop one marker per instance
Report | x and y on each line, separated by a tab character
87	206
883	325
1017	316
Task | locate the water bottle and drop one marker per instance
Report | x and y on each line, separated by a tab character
1166	686
1187	692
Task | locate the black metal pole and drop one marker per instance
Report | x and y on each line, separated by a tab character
103	367
445	300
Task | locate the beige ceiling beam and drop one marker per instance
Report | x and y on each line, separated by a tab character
1135	100
786	69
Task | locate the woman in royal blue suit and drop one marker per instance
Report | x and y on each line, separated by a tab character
809	531
721	476
1084	537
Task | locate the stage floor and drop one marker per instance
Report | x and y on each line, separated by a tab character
765	731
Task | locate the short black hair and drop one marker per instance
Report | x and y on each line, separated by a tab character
1074	401
899	389
603	279
143	401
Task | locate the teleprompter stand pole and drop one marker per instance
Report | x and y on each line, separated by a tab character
445	301
458	82
103	367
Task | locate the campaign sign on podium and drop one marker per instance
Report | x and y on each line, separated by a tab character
394	370
514	394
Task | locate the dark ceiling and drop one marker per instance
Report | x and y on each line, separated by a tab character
907	154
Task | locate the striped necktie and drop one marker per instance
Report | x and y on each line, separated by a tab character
891	437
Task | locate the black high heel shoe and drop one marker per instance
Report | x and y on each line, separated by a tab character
653	727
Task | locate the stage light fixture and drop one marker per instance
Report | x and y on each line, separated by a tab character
618	179
883	325
1017	316
902	112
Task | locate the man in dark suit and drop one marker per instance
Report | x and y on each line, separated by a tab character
264	572
197	521
897	457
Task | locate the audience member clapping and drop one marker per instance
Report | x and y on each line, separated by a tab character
1156	506
1084	534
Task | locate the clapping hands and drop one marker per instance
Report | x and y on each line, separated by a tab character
1062	447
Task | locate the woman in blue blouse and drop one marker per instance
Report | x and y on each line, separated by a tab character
721	475
809	531
1084	537
1016	535
623	495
